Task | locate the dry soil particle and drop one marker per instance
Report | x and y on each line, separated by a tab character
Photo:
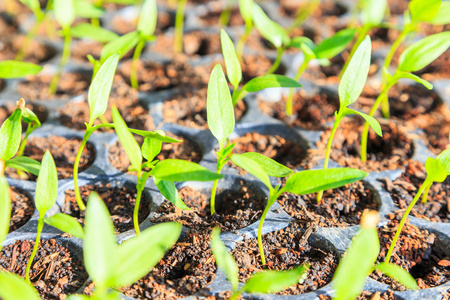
286	249
63	150
310	112
185	269
56	272
234	209
278	148
188	108
404	188
119	200
22	208
7	108
339	207
418	252
36	52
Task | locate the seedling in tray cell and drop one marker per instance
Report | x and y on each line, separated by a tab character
359	262
264	282
300	183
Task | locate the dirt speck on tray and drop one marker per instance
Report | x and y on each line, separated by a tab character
185	269
119	200
286	249
22	208
56	271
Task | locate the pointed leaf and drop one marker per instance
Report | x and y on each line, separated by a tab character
423	10
30	117
5	209
24	163
64	12
10	133
67	224
120	45
435	170
47	185
373	12
92	32
334	45
232	64
416	78
226	151
170	192
252	167
147	18
155	134
181	170
371	120
224	260
17	69
270	81
443	15
150	148
271	167
398	274
85	9
444	158
272	31
13	287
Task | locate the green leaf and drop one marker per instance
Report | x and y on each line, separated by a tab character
298	41
398	274
34	5
423	10
270	81
5	209
25	164
271	167
416	78
99	242
443	15
444	158
252	167
435	170
373	12
169	191
46	185
355	76
91	32
10	133
224	259
423	52
335	44
270	30
67	224
85	9
138	255
371	120
127	140
181	170
16	69
274	281
226	151
151	148
147	18
64	12
356	265
30	117
232	64
155	134
219	106
312	181
13	287
120	45
245	8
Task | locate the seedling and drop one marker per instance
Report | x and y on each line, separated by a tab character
112	266
300	183
359	262
350	87
264	282
437	171
245	8
179	24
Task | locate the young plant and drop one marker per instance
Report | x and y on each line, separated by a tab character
179	24
245	8
112	266
350	87
300	183
359	262
415	57
264	282
437	171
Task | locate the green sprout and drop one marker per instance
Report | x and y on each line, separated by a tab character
245	8
359	262
300	183
179	24
263	282
17	69
350	87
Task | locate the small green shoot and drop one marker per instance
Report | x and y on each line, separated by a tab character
5	205
179	25
245	8
92	32
17	69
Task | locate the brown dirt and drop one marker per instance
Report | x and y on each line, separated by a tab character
7	108
56	271
211	17
398	7
257	65
22	208
185	269
285	249
234	210
436	127
418	252
365	295
8	26
123	26
120	202
328	8
438	69
81	48
36	52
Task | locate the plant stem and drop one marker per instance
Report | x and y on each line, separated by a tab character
241	42
179	22
272	198
289	100
64	59
425	194
277	61
35	248
24	141
87	134
136	55
224	17
136	207
212	201
424	186
361	36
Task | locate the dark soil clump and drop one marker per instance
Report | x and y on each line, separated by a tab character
22	208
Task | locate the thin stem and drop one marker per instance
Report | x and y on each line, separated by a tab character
273	196
425	194
179	24
136	55
361	36
30	129
35	248
424	186
87	134
289	100
212	202
277	61
136	208
238	96
241	42
64	59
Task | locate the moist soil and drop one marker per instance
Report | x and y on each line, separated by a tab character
56	272
36	52
404	188
418	252
185	269
188	108
311	112
22	208
120	202
278	148
63	150
7	108
234	209
286	249
339	207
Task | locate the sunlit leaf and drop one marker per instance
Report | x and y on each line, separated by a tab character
67	224
46	185
17	69
182	170
224	260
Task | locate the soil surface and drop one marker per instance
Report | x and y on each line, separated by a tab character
36	51
339	207
22	208
234	209
81	48
120	202
7	108
56	271
404	188
123	25
286	249
418	252
186	268
436	127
